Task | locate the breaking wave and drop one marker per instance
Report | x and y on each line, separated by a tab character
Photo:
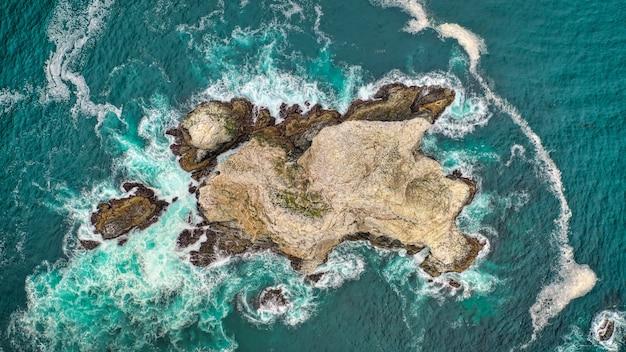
473	45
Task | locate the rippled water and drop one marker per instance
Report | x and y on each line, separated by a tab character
88	88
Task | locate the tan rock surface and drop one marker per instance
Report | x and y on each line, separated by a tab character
358	176
210	126
320	177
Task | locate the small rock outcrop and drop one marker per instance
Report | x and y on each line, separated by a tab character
219	244
606	329
119	216
273	299
89	244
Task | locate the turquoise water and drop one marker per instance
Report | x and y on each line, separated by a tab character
87	89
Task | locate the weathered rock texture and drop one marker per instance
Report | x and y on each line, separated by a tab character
213	128
357	177
119	216
317	179
606	329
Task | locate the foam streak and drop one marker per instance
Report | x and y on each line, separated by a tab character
473	45
72	34
415	9
574	280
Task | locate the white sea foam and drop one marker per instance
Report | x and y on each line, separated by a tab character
73	31
573	280
574	341
515	201
273	88
267	90
474	45
153	164
463	116
517	151
322	38
289	8
343	264
202	24
3	255
9	98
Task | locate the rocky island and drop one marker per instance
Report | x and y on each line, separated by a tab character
117	217
317	179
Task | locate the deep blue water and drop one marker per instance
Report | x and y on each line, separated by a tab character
87	90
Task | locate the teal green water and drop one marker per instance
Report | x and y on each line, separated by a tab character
87	90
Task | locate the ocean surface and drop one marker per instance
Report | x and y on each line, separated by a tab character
88	88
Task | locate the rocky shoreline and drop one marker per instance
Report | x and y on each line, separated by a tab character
312	181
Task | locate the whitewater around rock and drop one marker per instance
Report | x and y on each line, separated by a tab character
314	180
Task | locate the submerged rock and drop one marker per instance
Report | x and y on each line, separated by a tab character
273	299
89	244
317	179
453	283
119	216
313	278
